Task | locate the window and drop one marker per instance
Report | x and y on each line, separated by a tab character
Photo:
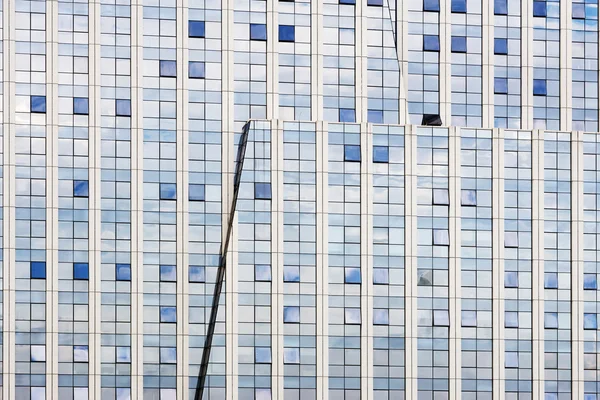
539	87
352	316
196	274
80	189
377	3
168	191
291	355
80	106
80	354
81	271
424	277
347	1
468	197
578	11
168	68
441	318
291	274
168	273
511	239
123	108
440	237
551	280
381	154
123	272
431	5
123	354
262	191
38	270
469	318
196	192
459	44
197	70
168	355
351	152
347	115
590	282
501	7
287	33
375	116
459	6
352	275
291	314
500	46
258	32
441	197
38	353
196	29
381	316
501	85
262	273
38	104
262	355
431	43
511	279
590	321
511	319
539	8
168	314
262	394
511	359
380	276
551	320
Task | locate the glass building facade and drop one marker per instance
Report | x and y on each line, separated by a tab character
369	257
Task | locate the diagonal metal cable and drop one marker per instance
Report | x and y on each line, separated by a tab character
212	322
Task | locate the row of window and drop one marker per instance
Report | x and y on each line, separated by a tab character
539	86
81	104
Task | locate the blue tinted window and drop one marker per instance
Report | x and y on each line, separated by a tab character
511	279
380	276
168	355
469	318
511	319
511	359
500	46
262	273
375	116
197	70
352	316
262	355
578	11
590	282
351	152
539	87
347	1
431	43
539	8
291	355
501	7
38	104
123	355
551	280
378	3
196	29
123	272
347	115
81	271
459	44
123	108
459	6
258	32
468	197
431	5
511	239
168	68
196	192
168	191
291	274
441	318
441	197
80	353
590	321
38	270
381	317
80	189
80	106
441	237
381	154
168	314
291	314
500	85
352	275
168	273
196	274
262	191
551	320
287	33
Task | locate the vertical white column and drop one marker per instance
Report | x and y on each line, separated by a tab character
445	63
454	257
8	201
498	373
366	262
51	200
537	276
410	257
527	65
402	51
487	52
566	65
360	74
316	60
577	297
137	201
322	262
272	60
95	205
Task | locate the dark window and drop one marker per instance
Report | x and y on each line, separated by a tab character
590	282
168	314
511	279
258	32
539	87
291	314
347	1
377	3
500	85
197	70
352	275
196	192
123	272
578	11
80	189
168	273
80	106
431	43
38	104
500	46
375	116
381	276
351	152
262	191
38	270
381	154
539	8
291	274
551	280
590	321
81	271
501	7
468	197
459	44
431	5
347	115
168	191
196	274
168	68
287	33
123	108
262	273
459	6
196	29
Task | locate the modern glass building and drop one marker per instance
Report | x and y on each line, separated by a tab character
160	158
